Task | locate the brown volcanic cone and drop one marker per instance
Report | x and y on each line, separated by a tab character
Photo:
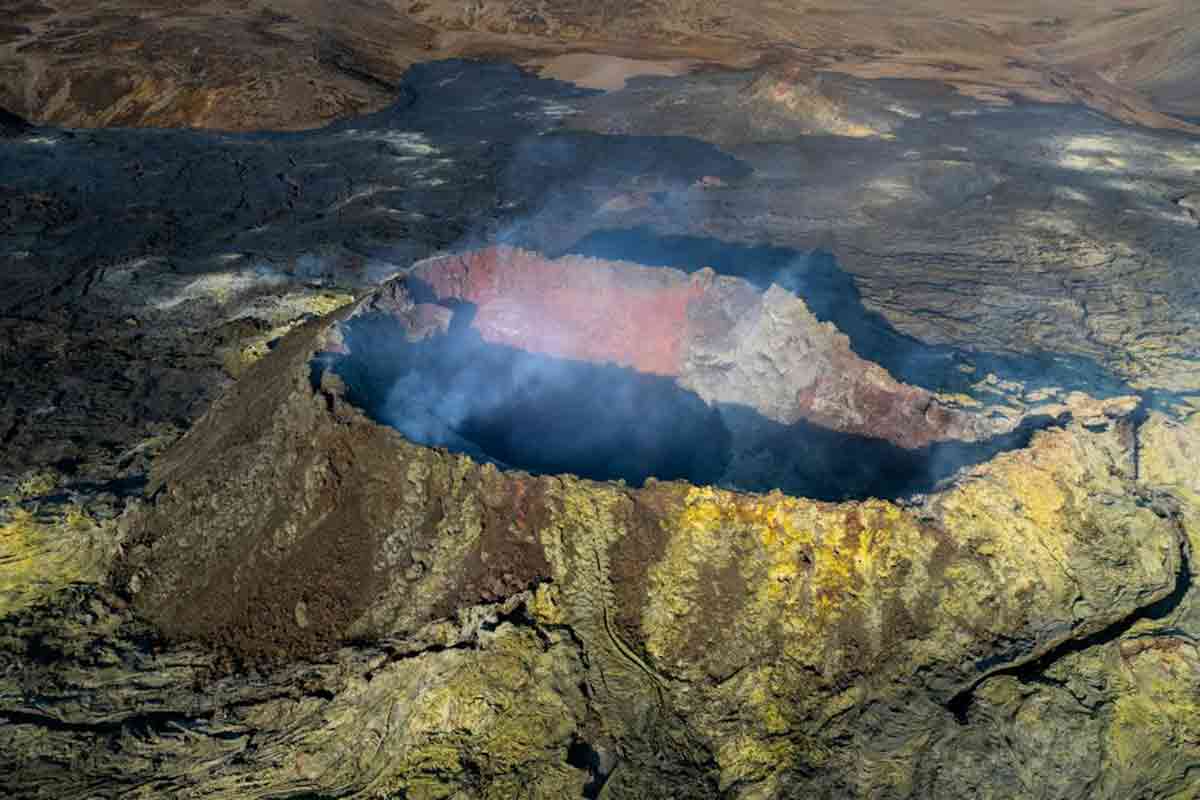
290	521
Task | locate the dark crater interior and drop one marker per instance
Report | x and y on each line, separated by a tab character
549	415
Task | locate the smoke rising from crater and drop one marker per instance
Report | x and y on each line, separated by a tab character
546	412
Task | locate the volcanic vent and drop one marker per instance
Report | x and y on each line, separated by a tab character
326	496
611	370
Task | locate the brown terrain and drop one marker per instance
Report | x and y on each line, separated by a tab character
293	64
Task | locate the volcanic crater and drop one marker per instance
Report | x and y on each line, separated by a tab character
612	370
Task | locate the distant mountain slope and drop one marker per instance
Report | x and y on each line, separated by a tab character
1155	51
293	64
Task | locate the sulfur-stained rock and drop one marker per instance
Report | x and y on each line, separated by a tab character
1112	720
1168	449
1109	716
493	712
46	547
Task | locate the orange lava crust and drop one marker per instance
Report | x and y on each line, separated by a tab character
649	319
573	308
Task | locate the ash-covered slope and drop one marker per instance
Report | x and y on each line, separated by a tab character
1154	50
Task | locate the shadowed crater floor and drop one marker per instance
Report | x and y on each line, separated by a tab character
530	411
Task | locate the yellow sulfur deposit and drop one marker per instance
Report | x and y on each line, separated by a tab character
39	555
